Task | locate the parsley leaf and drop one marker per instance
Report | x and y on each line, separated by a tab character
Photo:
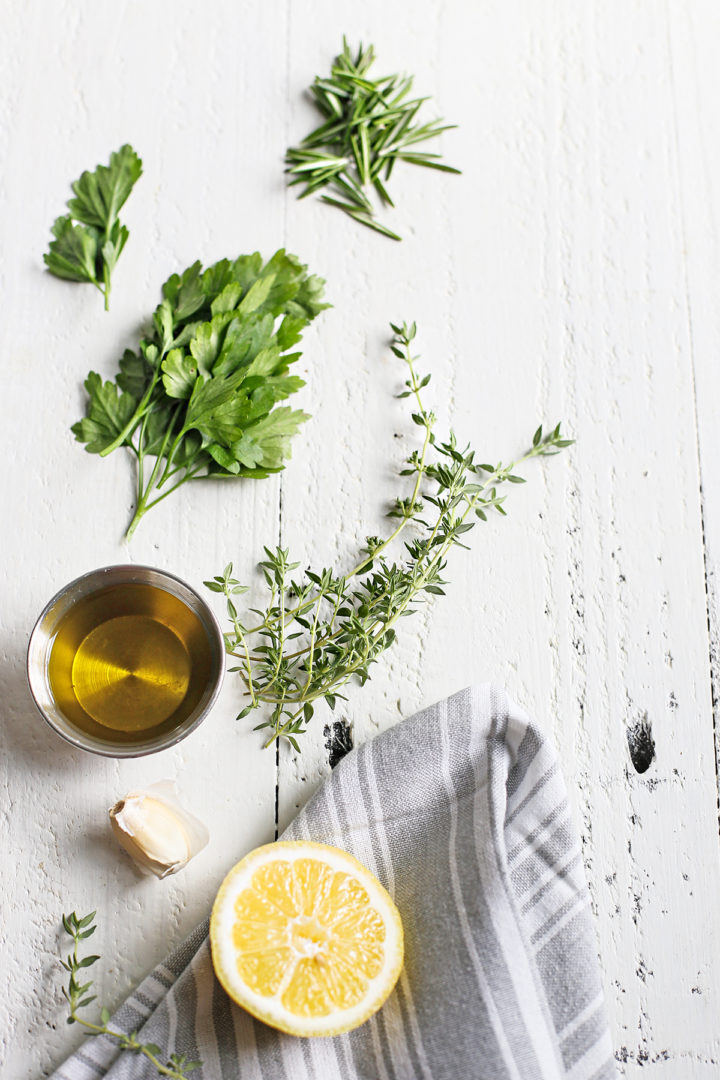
107	415
200	395
90	249
73	252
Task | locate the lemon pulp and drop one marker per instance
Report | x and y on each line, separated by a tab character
305	938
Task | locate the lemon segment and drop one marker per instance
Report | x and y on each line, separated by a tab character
305	938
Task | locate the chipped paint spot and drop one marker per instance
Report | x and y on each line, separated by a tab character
338	741
641	744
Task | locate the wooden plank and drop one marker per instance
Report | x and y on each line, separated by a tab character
353	451
694	74
563	294
195	97
622	590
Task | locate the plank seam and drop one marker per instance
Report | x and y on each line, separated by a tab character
285	241
714	674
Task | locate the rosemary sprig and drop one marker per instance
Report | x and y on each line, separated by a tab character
320	631
76	994
369	125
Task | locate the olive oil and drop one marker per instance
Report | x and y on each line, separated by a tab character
129	661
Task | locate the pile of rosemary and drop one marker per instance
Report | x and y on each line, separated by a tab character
369	125
322	629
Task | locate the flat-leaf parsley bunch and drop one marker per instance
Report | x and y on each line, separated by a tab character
323	628
199	397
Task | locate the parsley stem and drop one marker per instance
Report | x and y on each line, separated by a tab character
139	511
168	471
141	455
106	284
143	407
189	474
143	506
142	503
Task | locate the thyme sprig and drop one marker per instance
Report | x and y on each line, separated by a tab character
320	630
370	124
77	995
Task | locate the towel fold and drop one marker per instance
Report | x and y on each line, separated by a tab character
462	814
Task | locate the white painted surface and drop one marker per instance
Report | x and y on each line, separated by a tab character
572	271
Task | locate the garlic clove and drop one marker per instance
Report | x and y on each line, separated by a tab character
157	832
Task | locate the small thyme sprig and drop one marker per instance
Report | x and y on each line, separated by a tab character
76	994
318	632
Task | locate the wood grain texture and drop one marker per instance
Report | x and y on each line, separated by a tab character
570	273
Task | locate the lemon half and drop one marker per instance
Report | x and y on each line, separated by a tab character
305	938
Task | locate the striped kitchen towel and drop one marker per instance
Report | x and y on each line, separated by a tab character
462	813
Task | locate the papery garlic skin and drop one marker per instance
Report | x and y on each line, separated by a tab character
156	831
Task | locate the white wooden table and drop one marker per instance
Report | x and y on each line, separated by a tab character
572	272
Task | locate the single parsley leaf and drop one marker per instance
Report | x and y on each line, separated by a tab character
134	373
215	403
179	374
100	195
272	435
73	252
108	412
89	250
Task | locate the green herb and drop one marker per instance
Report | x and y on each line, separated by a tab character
77	995
89	250
199	395
319	631
369	125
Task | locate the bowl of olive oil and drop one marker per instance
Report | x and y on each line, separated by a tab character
125	661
